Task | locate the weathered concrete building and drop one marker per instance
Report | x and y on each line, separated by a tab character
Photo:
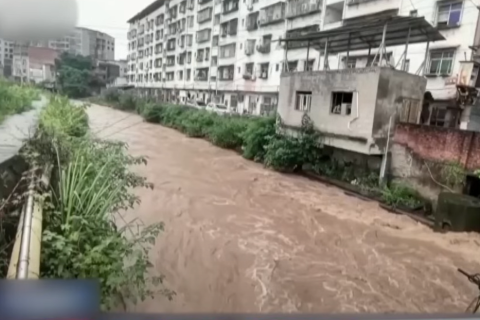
351	107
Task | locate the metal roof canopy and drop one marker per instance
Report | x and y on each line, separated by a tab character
367	33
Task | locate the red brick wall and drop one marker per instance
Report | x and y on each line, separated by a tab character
440	144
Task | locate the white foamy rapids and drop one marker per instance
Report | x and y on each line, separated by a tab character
30	20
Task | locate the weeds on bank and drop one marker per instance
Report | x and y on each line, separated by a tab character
85	234
259	140
15	98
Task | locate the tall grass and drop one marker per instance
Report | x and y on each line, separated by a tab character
92	184
15	98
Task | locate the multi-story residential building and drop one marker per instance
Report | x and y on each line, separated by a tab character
210	50
6	57
229	51
83	41
440	62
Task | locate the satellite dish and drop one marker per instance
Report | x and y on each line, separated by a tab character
33	20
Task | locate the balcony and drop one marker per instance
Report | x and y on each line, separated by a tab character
226	73
201	74
183	7
230	6
303	7
272	14
263	71
204	15
203	1
203	35
300	32
229	28
252	21
250	47
248	74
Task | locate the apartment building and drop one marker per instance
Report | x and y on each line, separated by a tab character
83	41
6	57
211	50
228	51
440	62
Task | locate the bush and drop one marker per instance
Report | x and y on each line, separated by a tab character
256	137
15	98
85	234
283	153
228	132
127	102
197	123
400	195
62	118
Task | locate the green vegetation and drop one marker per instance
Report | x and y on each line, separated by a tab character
259	140
76	77
15	98
85	234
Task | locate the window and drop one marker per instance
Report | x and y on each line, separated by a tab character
203	35
448	15
190	21
204	15
350	63
233	101
216	21
264	71
227	51
309	65
410	111
441	62
341	100
277	67
437	117
189	74
303	101
407	65
214	60
215	41
180	75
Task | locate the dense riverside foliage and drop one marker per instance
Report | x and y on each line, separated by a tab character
85	234
15	98
263	140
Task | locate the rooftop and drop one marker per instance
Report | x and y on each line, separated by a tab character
149	9
366	32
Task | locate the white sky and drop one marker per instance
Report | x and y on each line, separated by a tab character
110	16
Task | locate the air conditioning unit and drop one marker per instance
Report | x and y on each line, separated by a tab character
249	7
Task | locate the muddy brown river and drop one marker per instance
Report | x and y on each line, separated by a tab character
241	238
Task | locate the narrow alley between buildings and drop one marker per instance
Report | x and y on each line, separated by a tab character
241	238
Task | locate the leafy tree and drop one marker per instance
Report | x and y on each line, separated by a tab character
76	76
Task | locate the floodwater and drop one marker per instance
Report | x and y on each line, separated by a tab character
241	238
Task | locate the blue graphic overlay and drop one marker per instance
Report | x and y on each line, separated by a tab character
49	299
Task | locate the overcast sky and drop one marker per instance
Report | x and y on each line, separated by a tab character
110	16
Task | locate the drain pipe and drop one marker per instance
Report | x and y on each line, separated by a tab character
25	258
24	254
358	113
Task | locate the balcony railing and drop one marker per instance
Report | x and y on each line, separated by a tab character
226	73
250	47
303	7
230	6
252	21
201	75
298	33
272	14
